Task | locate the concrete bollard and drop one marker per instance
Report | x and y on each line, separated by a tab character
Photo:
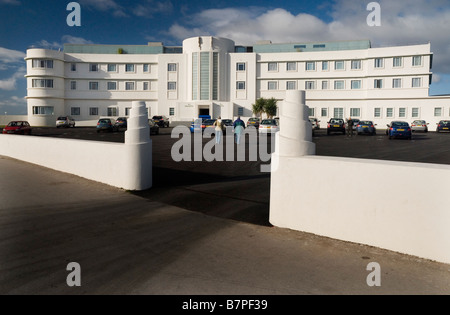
295	136
138	161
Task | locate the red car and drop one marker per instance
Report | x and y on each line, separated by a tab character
18	127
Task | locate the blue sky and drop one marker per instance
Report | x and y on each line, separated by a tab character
26	23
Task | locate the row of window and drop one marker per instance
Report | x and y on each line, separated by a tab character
129	67
93	111
378	112
379	63
94	85
338	84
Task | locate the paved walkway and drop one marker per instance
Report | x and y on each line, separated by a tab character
127	244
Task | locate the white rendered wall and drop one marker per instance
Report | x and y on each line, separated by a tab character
395	205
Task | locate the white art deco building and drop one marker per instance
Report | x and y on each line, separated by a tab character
210	75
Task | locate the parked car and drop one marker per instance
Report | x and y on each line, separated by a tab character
162	121
121	122
18	128
419	125
105	124
443	125
253	122
315	123
336	125
366	127
399	129
209	123
65	121
226	123
268	126
154	127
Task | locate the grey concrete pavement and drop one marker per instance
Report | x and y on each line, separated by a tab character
127	244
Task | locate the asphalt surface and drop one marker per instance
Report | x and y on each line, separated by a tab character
201	230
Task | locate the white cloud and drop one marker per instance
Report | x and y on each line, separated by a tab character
68	39
11	56
105	5
402	23
10	83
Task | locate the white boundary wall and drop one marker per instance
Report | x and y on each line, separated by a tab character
127	166
399	206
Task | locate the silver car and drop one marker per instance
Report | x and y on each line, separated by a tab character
419	125
65	121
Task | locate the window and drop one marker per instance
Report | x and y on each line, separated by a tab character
93	67
339	65
356	84
389	112
42	83
112	111
339	85
43	110
145	86
43	63
325	66
324	112
310	85
402	112
93	111
172	86
291	85
75	111
338	112
171	111
127	111
310	66
129	86
396	83
324	85
73	85
112	86
377	112
240	111
291	66
378	83
172	67
129	67
355	112
273	66
240	85
240	66
437	111
93	86
73	67
272	85
415	112
416	82
356	64
417	61
146	68
112	67
312	112
398	62
379	63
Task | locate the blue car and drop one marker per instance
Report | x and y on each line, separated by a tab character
198	124
399	129
443	125
105	124
366	127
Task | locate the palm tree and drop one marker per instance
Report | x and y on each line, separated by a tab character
271	107
259	107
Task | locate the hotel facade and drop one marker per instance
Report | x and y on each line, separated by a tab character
213	76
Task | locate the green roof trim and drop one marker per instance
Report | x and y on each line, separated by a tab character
113	49
309	47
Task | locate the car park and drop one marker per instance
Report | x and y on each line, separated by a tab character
443	125
336	125
18	128
105	124
399	129
121	122
162	121
154	127
268	126
419	125
315	123
65	121
253	122
366	127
